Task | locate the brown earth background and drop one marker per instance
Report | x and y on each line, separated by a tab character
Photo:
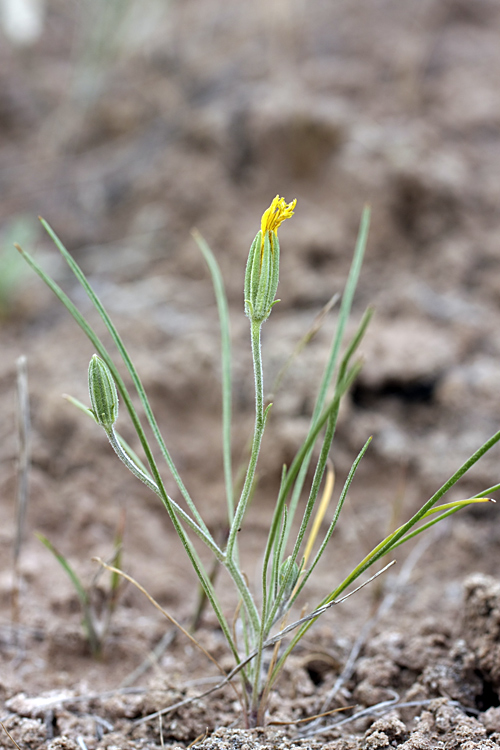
127	124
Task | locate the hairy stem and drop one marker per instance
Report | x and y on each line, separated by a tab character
260	421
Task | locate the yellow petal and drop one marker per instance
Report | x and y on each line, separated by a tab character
276	214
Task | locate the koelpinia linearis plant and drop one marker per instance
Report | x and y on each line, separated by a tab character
285	571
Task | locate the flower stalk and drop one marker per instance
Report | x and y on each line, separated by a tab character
261	284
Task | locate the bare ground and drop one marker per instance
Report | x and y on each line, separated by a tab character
124	136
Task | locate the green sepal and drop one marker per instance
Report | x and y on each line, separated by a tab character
275	272
251	272
262	276
264	283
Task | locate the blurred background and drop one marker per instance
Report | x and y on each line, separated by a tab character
127	124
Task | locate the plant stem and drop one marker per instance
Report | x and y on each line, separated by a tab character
260	421
245	593
137	472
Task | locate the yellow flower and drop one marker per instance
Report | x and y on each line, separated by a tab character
274	216
262	273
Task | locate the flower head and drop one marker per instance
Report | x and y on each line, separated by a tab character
262	274
276	214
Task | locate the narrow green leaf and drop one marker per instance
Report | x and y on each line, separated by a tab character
75	268
88	620
344	313
222	306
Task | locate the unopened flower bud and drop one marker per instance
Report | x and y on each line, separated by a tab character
262	272
103	394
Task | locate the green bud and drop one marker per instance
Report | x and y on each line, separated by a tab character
262	271
103	394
